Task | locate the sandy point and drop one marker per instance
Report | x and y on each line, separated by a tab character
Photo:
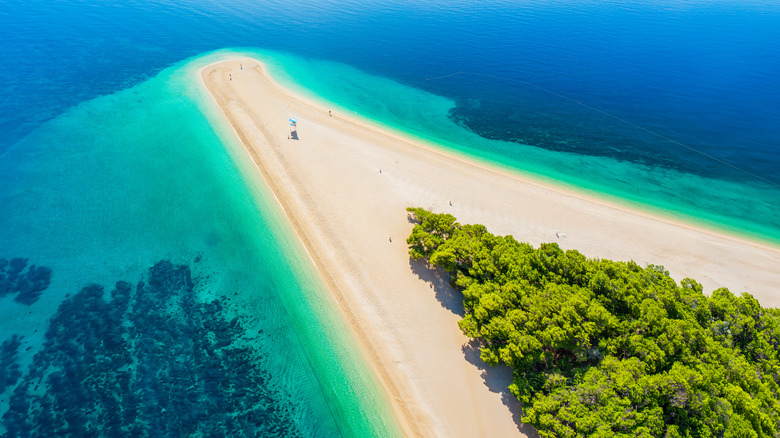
345	184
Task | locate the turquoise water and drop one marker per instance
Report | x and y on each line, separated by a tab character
149	185
744	206
669	104
138	186
112	168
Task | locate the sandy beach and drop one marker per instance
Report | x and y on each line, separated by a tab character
345	186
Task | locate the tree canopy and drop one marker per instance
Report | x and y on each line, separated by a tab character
601	348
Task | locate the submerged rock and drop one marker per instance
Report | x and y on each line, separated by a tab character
9	368
148	361
27	285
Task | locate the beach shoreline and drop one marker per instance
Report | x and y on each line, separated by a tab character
344	185
591	195
402	414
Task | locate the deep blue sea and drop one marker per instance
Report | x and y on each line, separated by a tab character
116	195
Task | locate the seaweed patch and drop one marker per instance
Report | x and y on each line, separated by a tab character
26	284
148	360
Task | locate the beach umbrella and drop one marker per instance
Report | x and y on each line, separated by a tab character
293	122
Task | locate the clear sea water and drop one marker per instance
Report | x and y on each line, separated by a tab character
154	246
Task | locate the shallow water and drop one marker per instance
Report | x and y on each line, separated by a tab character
109	165
138	188
718	195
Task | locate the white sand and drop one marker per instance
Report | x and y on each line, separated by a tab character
345	211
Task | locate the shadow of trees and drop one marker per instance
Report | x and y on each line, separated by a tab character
439	281
497	378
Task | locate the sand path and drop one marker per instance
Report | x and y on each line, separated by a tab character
351	217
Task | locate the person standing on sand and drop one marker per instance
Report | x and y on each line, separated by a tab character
230	75
330	113
242	66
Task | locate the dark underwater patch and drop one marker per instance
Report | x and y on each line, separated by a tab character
9	368
582	132
26	284
544	130
148	360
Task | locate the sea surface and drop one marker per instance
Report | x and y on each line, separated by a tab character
150	284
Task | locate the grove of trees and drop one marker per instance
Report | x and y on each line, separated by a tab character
601	348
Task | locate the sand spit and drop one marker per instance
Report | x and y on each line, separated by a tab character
345	184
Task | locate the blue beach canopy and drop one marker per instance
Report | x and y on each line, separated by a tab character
293	122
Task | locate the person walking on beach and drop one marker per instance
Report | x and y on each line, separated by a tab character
242	66
231	77
330	113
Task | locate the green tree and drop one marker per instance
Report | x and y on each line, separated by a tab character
601	348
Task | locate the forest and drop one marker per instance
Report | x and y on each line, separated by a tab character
603	348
